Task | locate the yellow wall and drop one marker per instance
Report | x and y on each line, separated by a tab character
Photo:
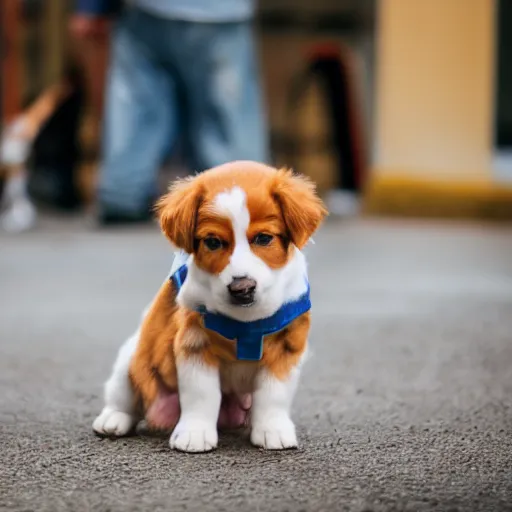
434	95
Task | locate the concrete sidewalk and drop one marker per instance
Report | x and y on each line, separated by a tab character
406	403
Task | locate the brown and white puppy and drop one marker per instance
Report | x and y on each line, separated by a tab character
242	226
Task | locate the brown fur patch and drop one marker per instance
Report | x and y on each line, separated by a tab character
302	209
282	351
154	353
213	262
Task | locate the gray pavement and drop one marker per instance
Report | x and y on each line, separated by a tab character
406	403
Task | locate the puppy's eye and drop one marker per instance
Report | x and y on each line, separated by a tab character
262	239
212	243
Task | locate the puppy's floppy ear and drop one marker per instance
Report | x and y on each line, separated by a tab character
303	210
177	211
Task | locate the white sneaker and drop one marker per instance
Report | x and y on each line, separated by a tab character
19	216
14	145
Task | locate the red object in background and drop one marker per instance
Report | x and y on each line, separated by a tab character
10	20
326	49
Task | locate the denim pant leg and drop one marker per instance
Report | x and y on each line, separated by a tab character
139	120
226	119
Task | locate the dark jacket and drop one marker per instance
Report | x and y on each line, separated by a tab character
98	7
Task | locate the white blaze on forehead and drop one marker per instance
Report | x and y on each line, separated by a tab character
233	205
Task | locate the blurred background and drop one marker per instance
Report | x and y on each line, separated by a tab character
396	108
392	107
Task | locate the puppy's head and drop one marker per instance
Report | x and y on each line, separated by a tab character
242	223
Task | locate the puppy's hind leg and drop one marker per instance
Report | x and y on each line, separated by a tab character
119	415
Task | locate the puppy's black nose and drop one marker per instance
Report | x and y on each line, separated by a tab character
242	290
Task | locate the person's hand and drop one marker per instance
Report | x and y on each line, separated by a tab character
86	26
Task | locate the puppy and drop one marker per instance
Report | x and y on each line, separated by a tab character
228	330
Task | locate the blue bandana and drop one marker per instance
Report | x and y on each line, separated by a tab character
248	335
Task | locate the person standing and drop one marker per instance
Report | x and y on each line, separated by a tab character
179	70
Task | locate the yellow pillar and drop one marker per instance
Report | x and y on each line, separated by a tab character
434	106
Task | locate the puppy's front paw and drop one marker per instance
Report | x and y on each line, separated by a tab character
189	436
276	434
113	423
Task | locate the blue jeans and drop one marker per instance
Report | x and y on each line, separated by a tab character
171	79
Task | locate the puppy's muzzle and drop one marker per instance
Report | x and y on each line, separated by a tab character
242	291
